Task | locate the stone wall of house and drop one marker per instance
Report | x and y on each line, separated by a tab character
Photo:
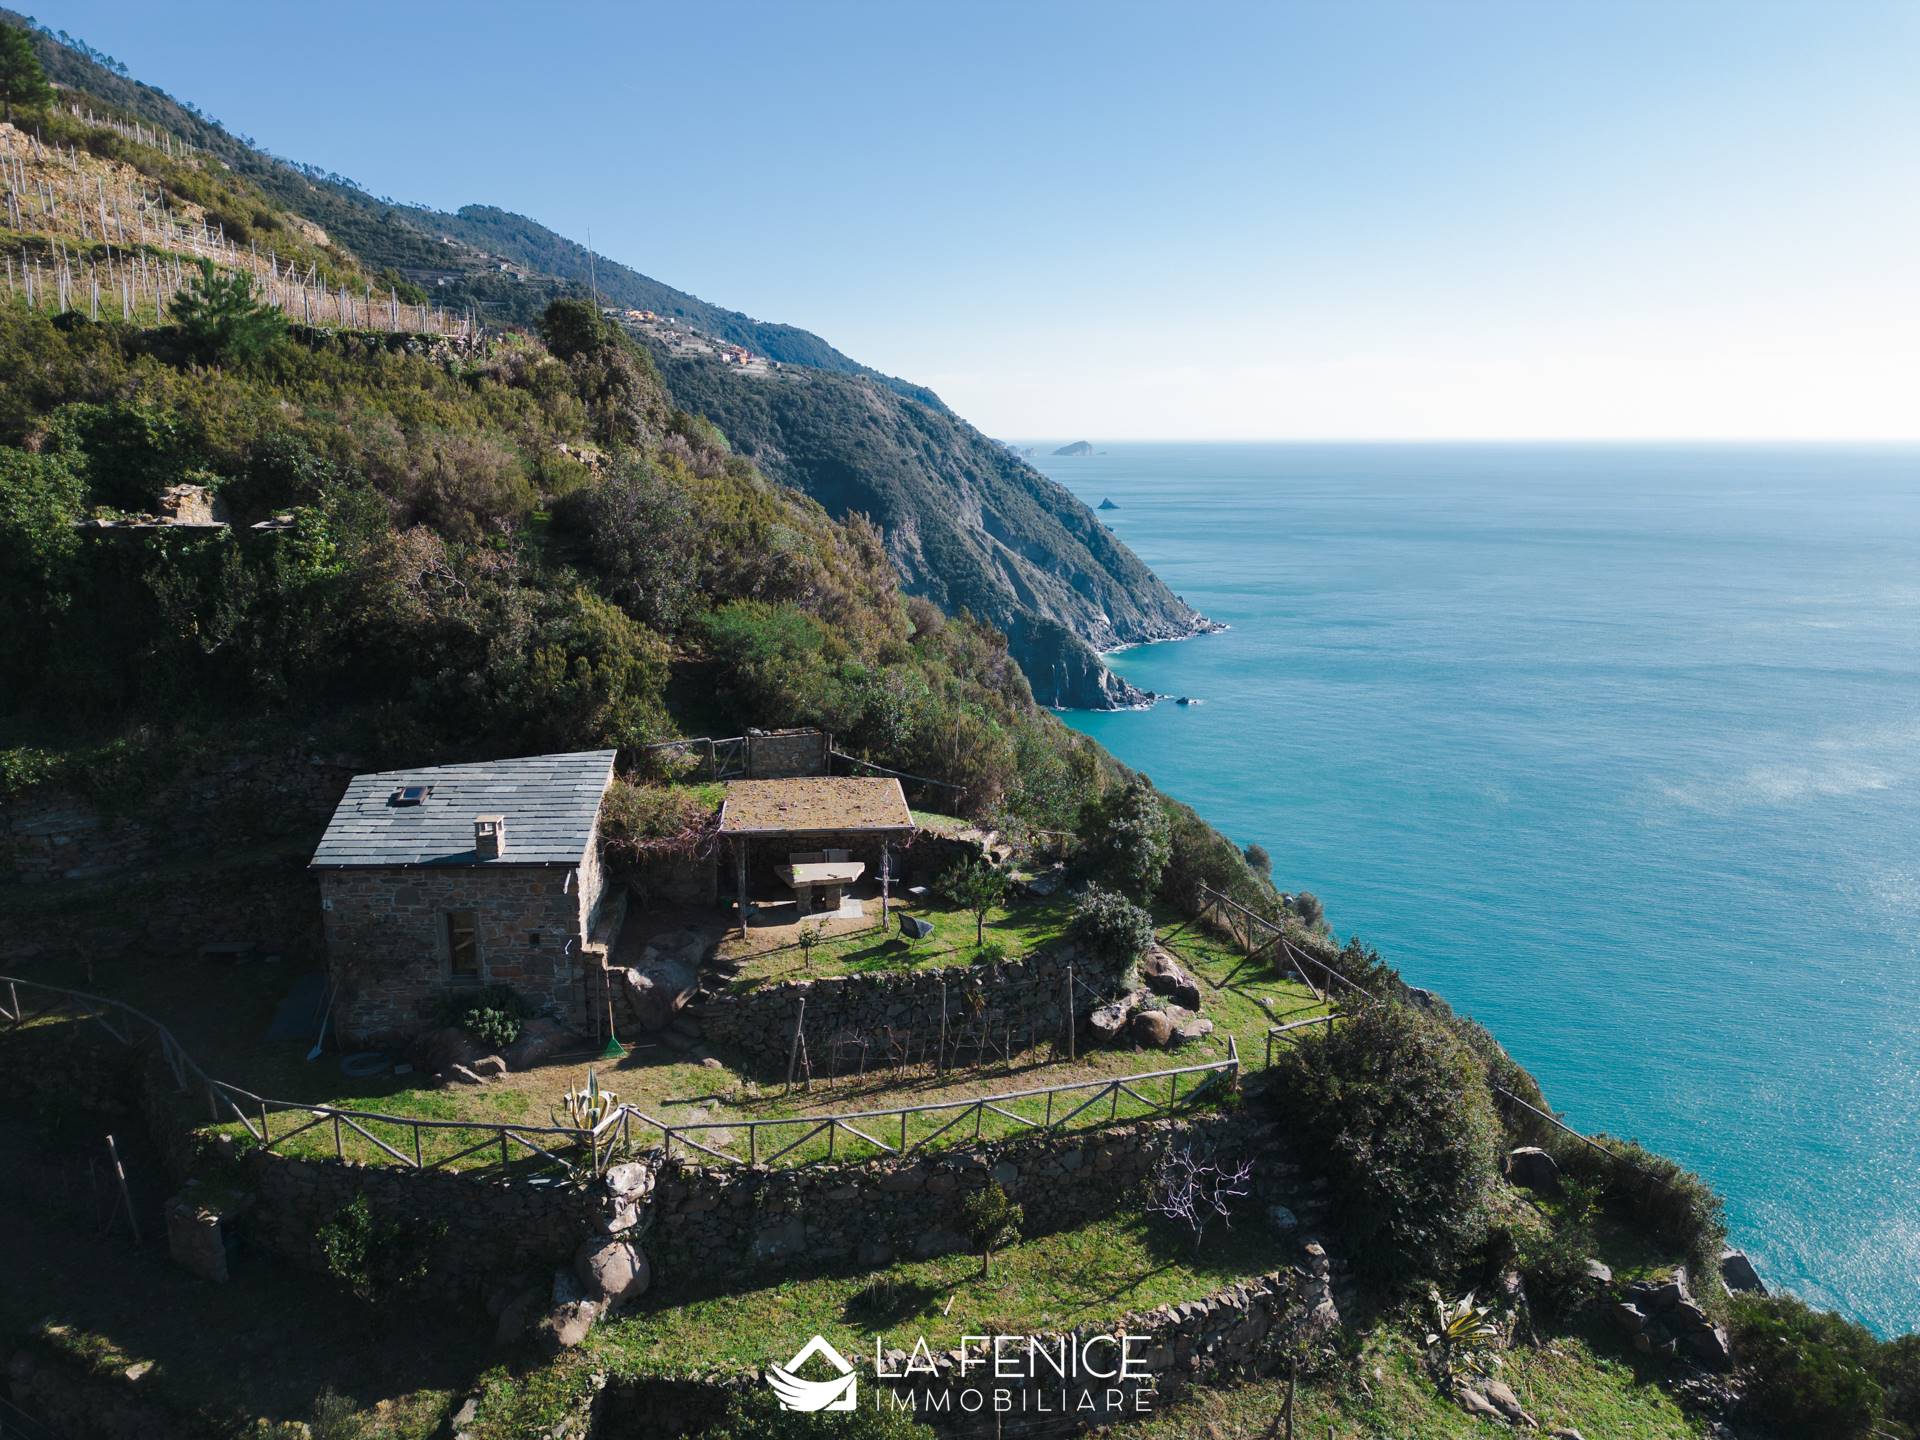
709	1218
386	938
483	1234
1025	998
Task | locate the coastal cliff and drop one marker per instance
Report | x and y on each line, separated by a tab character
968	524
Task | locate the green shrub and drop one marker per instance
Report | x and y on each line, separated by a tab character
376	1260
1109	926
1397	1111
1808	1374
1553	1259
1126	840
1896	1365
494	1015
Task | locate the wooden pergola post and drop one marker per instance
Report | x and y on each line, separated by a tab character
886	876
740	864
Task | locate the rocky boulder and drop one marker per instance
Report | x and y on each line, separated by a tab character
664	979
1532	1168
1164	976
539	1038
438	1051
612	1272
1107	1022
1737	1270
1152	1029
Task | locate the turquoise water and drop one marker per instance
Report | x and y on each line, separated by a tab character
1618	748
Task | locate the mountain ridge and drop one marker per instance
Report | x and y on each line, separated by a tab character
1061	587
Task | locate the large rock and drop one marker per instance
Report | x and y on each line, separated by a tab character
1737	1270
1188	1027
1108	1021
539	1038
612	1271
1509	1404
1711	1349
1532	1168
1152	1029
567	1324
1163	976
665	978
438	1051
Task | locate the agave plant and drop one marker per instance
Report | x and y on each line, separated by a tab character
1461	1330
585	1108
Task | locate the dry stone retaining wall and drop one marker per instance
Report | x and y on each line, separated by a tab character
1027	996
708	1219
489	1231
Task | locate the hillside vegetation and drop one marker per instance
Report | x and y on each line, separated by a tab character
967	523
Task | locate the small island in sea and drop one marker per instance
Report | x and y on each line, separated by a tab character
1078	447
1108	505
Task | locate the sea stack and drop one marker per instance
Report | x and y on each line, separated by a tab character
1107	505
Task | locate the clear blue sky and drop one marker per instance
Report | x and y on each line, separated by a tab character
1335	219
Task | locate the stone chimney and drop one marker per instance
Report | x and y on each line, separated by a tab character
489	836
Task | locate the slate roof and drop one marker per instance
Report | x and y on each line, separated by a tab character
818	806
551	803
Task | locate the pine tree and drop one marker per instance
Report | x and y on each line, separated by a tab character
22	81
219	318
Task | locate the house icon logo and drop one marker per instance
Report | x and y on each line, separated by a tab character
797	1394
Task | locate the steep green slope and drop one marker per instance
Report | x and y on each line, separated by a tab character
968	524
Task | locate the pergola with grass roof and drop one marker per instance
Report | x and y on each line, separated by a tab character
813	813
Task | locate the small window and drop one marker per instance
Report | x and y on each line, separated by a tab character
463	947
410	795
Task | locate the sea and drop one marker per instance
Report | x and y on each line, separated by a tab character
1616	747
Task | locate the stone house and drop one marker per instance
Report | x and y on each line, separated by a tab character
453	877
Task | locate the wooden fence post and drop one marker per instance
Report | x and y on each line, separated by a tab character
1073	1054
793	1055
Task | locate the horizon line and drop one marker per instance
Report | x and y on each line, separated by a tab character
1887	440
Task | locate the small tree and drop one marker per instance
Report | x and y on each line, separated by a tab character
809	941
1259	861
222	321
975	886
1193	1187
992	1218
22	81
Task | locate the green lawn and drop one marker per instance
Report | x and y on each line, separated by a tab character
1011	931
1587	1381
1051	1283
